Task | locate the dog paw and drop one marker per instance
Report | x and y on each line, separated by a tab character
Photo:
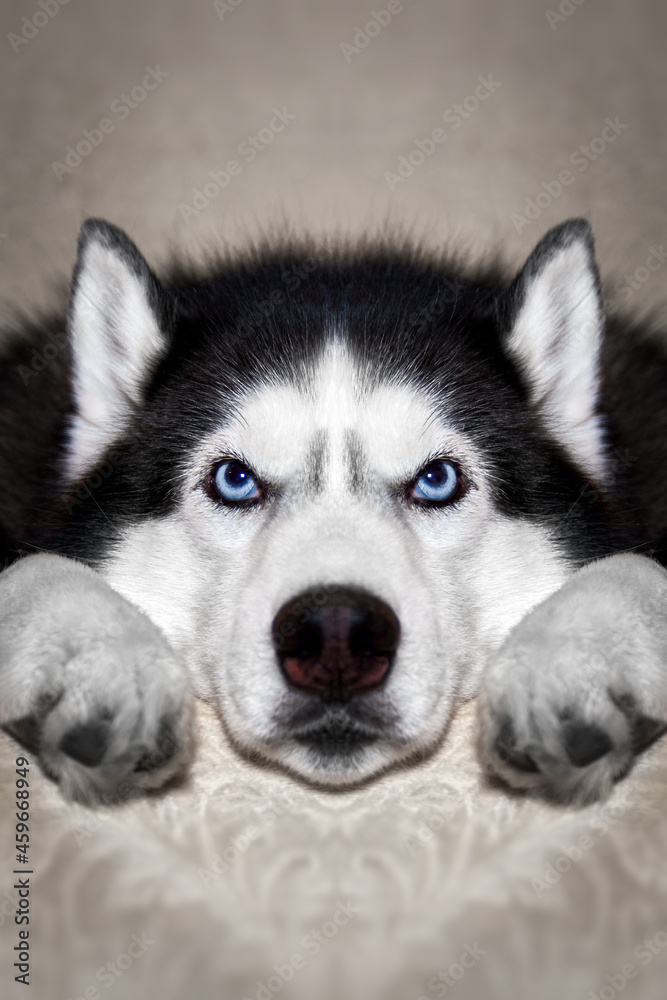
579	686
88	683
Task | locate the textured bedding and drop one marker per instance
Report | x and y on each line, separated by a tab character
425	882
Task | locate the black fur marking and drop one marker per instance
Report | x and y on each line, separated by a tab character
336	736
402	316
113	238
355	458
317	460
508	752
646	731
585	743
556	239
27	731
87	743
643	729
166	747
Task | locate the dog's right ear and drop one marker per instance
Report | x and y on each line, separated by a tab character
118	319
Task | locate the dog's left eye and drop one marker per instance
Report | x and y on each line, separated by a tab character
438	483
235	483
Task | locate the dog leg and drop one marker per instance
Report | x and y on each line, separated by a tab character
88	683
580	685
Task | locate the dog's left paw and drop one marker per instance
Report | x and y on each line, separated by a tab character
580	685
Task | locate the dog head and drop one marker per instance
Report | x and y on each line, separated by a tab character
335	484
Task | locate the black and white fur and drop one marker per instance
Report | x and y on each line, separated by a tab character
128	587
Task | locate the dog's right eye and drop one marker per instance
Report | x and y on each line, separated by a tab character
234	483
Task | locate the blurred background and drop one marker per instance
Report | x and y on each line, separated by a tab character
360	87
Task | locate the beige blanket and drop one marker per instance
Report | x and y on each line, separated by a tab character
425	883
244	878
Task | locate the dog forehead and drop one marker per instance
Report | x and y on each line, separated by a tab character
336	407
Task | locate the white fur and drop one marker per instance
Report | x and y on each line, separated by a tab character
461	582
74	651
115	336
458	581
338	448
602	636
556	339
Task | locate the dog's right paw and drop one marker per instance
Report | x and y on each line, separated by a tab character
88	683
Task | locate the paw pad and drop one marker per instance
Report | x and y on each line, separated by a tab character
87	743
585	743
166	746
508	751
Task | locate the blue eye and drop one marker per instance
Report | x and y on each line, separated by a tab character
235	483
438	483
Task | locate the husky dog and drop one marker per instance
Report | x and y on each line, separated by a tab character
337	496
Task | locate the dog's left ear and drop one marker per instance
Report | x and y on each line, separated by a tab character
118	320
553	321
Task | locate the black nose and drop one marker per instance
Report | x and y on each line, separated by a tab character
336	644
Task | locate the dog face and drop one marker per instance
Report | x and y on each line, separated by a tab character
339	515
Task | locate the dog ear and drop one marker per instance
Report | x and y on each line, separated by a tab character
554	319
117	319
